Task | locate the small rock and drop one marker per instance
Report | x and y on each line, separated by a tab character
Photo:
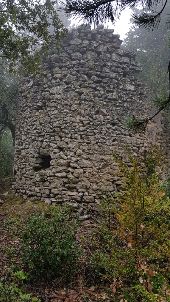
1	201
84	217
48	201
5	194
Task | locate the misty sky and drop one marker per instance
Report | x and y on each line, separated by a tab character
121	26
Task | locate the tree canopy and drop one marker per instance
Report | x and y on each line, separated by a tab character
8	99
106	10
24	27
152	52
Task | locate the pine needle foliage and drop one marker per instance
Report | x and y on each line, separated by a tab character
99	11
93	11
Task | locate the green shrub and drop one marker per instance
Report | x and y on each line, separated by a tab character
12	293
131	244
48	245
139	293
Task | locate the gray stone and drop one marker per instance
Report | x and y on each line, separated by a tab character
1	201
48	201
75	118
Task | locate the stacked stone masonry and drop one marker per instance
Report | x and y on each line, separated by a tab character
72	118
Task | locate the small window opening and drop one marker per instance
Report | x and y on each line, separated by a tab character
42	162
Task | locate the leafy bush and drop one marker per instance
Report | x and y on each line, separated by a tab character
131	243
12	293
139	293
48	245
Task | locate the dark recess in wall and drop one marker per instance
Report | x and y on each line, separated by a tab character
42	162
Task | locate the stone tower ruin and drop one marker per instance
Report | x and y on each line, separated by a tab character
73	116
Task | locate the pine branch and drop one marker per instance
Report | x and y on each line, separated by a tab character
103	10
97	11
148	20
140	124
167	102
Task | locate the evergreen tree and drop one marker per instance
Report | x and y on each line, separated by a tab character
153	54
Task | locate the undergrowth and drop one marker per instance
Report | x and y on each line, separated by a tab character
12	293
48	245
127	253
132	241
42	248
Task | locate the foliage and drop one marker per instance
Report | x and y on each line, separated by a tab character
24	28
48	245
153	58
103	10
11	292
131	244
6	154
20	276
8	98
8	84
16	213
136	124
139	293
8	105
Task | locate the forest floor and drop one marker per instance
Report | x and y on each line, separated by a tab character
13	209
143	281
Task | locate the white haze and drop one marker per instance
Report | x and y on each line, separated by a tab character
121	26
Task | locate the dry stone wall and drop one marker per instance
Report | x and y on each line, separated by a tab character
73	116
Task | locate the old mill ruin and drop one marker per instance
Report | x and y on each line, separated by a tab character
73	116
